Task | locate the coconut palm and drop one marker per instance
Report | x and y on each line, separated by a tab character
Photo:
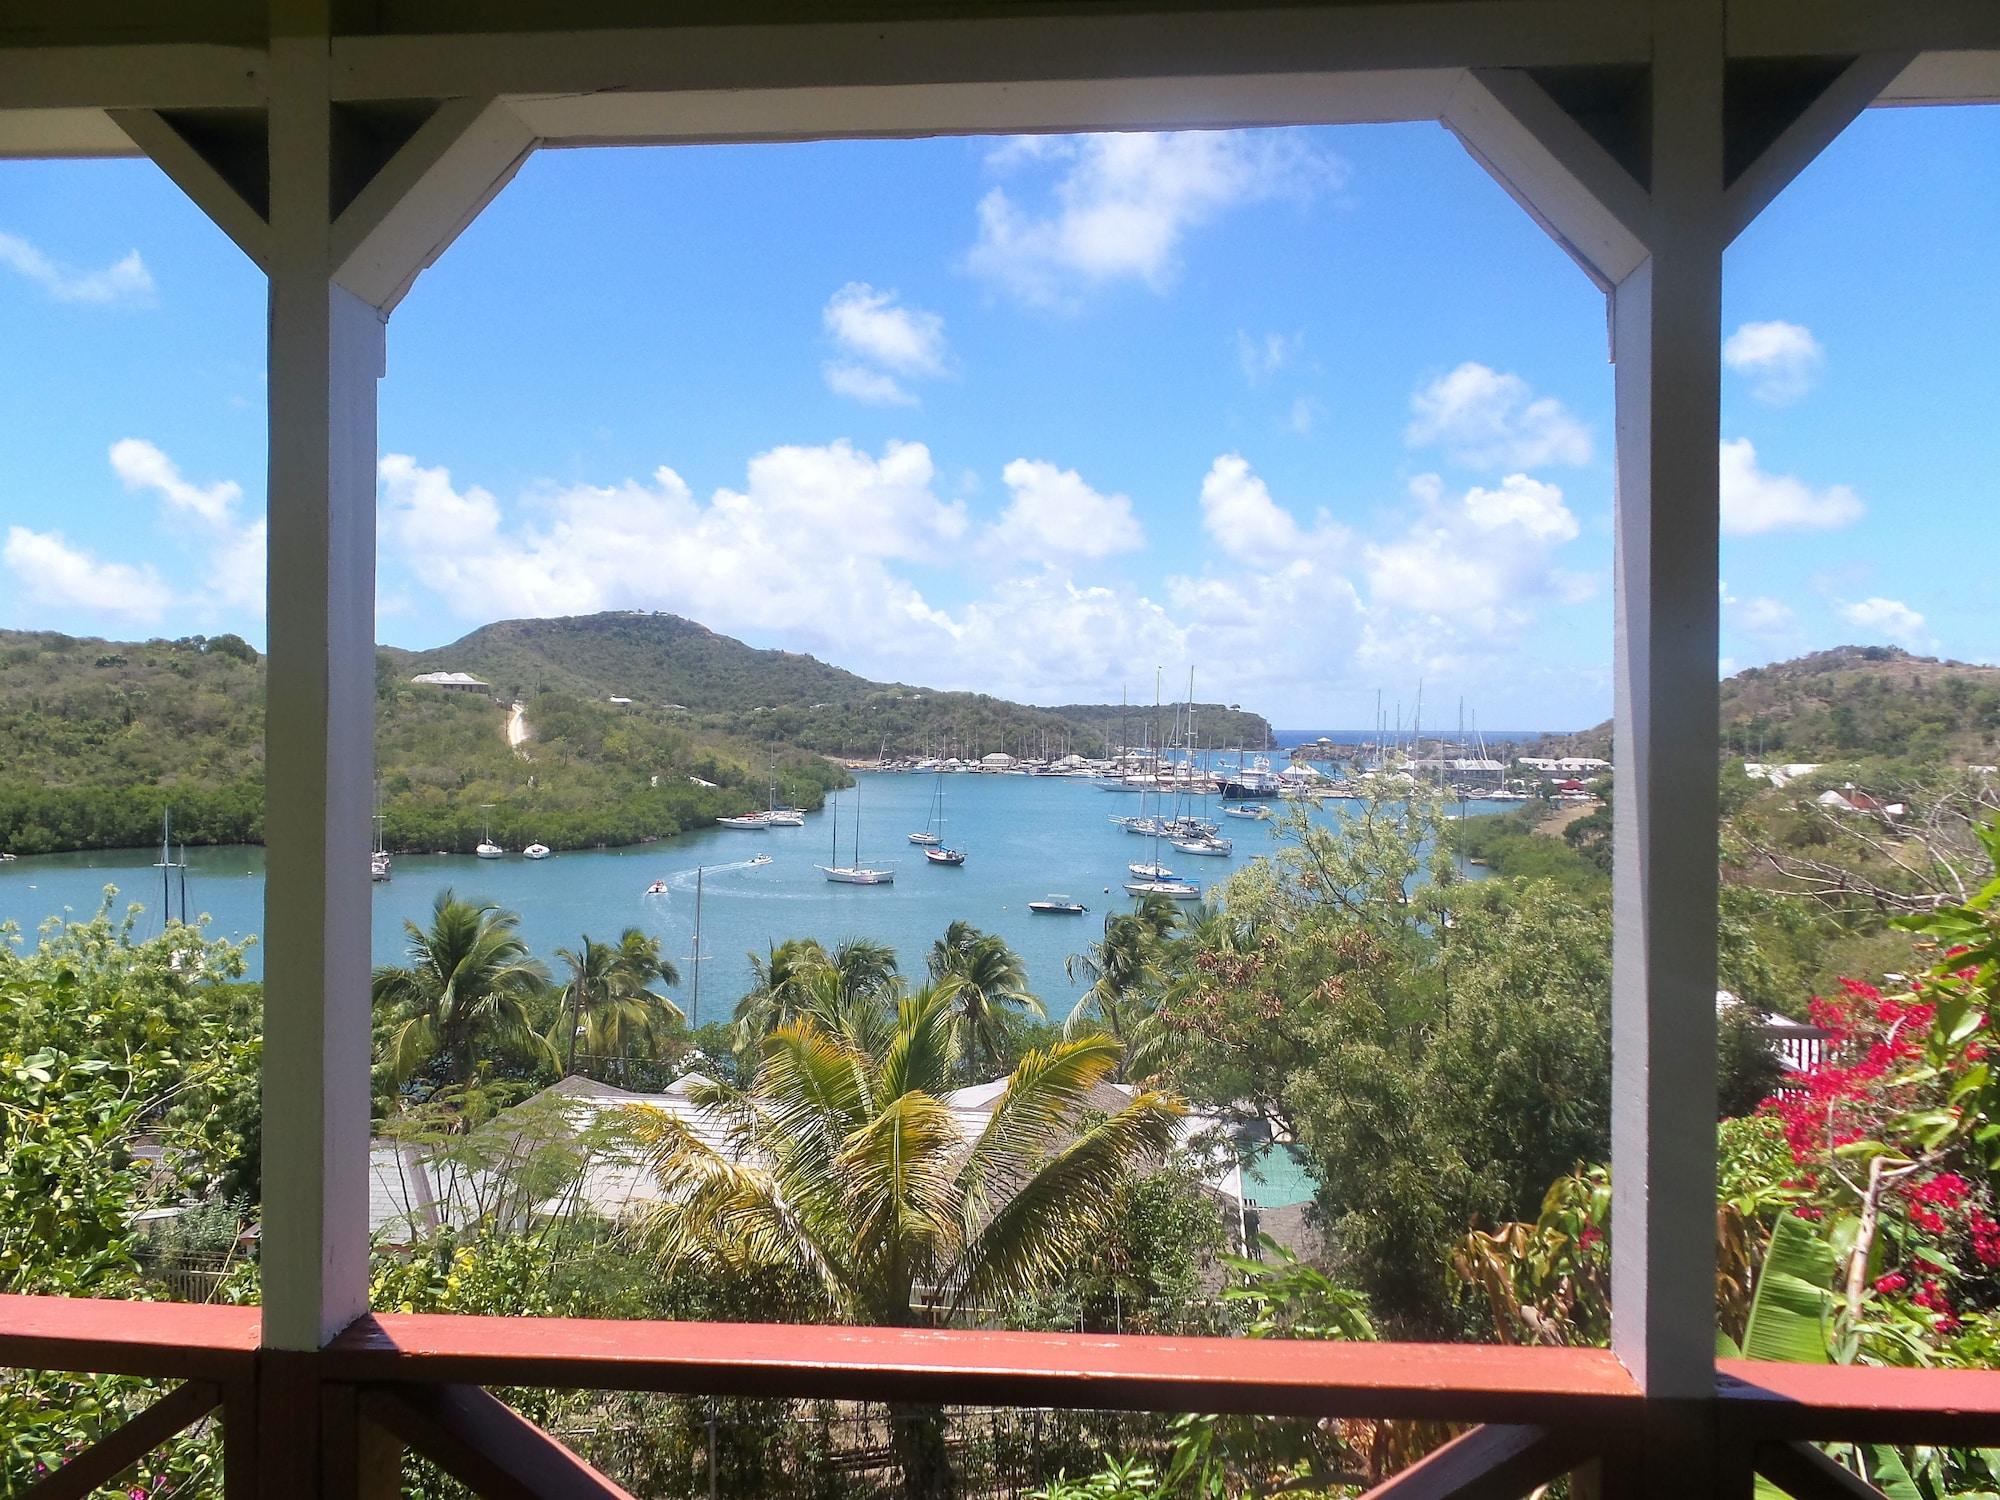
607	1001
846	1169
992	990
800	974
466	994
1126	974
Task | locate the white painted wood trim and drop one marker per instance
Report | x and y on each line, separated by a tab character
1551	166
424	197
155	75
1074	47
326	354
191	172
48	134
1947	78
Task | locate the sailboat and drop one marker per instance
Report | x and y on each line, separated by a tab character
855	873
1159	881
782	817
487	849
933	835
378	860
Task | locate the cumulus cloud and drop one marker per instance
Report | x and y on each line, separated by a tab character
1484	558
124	280
870	387
1124	204
1486	419
1780	359
235	548
52	572
876	326
1246	524
1760	615
1889	619
1054	515
1755	502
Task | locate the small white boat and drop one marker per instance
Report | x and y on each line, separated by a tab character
486	848
538	851
1178	890
1213	846
8	859
785	817
945	856
657	888
1058	906
378	865
760	859
488	851
1255	814
747	820
1151	872
929	840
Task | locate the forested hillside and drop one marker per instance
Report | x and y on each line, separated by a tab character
664	661
1850	702
97	738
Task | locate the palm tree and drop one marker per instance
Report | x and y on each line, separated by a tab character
607	1001
1126	976
992	989
466	993
800	974
846	1169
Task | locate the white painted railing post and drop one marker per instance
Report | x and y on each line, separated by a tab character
1666	332
326	350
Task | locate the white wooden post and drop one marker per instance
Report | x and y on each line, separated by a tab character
1666	336
326	350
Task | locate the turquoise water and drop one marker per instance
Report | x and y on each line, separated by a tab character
1024	836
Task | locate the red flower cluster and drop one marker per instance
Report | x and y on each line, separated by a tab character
1895	1281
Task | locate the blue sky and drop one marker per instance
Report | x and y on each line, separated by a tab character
1317	412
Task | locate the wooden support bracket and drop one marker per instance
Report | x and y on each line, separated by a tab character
1494	1462
115	1452
482	1442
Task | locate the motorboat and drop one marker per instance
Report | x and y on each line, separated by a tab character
747	820
657	888
538	851
1210	845
1058	906
945	856
760	859
1177	890
1151	872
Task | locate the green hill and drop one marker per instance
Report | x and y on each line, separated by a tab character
98	737
1851	702
721	685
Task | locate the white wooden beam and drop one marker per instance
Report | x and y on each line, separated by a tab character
425	195
1553	168
1666	333
326	353
196	176
1847	28
1816	127
41	134
1947	78
1076	46
157	75
1238	101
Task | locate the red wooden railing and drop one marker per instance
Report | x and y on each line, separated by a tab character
336	1421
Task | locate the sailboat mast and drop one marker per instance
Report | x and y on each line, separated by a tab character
694	1008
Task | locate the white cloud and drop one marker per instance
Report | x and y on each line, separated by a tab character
1246	524
859	383
124	280
874	326
142	466
1266	354
235	549
52	572
1536	508
1760	615
1781	359
1304	415
1437	567
1754	502
1487	419
1890	619
1054	515
1125	203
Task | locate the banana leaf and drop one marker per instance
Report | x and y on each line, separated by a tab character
1791	1307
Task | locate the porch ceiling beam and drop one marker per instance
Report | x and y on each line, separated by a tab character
1074	46
1948	78
157	75
1832	28
44	134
